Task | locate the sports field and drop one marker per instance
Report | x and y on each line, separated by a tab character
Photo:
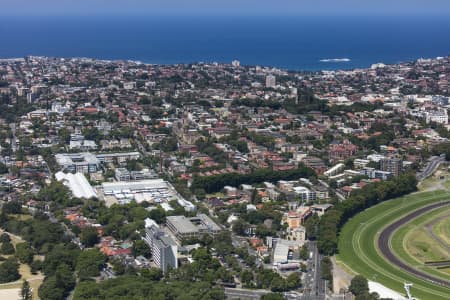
442	229
414	243
358	245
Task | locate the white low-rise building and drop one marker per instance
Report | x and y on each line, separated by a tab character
78	184
439	116
151	190
334	170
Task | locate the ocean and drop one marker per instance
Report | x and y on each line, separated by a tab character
295	43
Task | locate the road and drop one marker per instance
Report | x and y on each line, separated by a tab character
313	282
431	166
14	138
236	293
384	242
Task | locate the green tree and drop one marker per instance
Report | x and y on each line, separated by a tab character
92	134
304	253
64	135
326	270
56	193
293	281
239	227
60	254
7	248
12	207
118	266
24	253
312	227
278	284
65	277
369	296
9	271
89	236
359	285
4	238
51	290
89	263
25	291
88	290
3	168
153	274
272	296
36	266
169	144
58	285
3	219
140	247
138	287
158	215
247	278
200	194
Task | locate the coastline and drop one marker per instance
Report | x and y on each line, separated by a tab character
322	61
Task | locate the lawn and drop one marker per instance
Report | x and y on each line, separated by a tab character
34	280
358	250
428	183
216	195
414	245
419	244
14	238
442	229
24	270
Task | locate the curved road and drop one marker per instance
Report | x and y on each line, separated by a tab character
383	244
432	165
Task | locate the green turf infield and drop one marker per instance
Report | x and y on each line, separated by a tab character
415	246
442	230
358	250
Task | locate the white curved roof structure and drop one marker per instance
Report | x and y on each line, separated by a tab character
78	184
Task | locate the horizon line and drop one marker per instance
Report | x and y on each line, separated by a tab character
225	14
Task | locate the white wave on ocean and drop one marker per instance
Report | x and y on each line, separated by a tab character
335	60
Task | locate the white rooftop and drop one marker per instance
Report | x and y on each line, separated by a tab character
134	185
150	222
78	184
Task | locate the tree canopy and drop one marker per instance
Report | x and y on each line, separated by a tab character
359	285
9	271
137	288
215	183
370	195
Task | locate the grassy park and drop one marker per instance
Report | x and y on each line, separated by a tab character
359	253
35	280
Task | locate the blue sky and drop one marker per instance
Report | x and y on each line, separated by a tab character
238	7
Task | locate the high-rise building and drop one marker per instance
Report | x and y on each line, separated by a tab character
270	81
393	165
163	247
236	63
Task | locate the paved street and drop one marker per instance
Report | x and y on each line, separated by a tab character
431	166
236	293
313	283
